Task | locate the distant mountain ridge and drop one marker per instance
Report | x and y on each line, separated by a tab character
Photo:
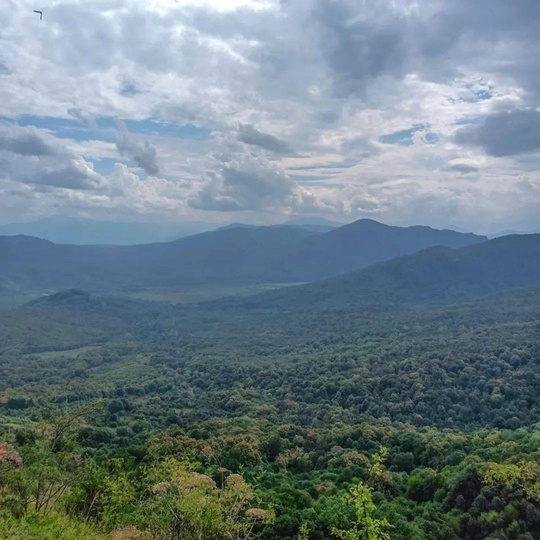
311	227
434	274
93	232
238	255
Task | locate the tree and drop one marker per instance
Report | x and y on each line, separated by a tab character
367	527
525	476
188	505
303	533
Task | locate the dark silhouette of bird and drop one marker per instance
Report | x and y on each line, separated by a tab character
40	14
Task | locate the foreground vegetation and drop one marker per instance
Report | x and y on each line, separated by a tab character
244	479
125	420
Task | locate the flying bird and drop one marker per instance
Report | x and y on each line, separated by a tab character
40	14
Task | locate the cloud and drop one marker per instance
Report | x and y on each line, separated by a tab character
26	141
361	41
369	99
35	157
505	133
462	168
83	117
144	153
252	184
250	135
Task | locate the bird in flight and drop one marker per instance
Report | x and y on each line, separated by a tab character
40	14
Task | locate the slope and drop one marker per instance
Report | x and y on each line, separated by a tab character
435	274
227	256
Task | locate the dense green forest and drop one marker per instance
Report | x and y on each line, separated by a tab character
126	419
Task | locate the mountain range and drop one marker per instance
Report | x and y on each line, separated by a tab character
437	274
237	255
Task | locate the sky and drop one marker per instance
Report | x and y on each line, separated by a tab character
403	111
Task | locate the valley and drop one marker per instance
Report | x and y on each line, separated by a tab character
417	378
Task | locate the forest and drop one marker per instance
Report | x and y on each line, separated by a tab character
125	419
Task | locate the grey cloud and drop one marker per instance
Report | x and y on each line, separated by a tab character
83	117
34	157
144	153
250	187
26	141
494	36
71	174
250	135
462	168
361	42
504	133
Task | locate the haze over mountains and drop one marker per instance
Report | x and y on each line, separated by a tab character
94	232
238	255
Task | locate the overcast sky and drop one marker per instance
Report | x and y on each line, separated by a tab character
423	111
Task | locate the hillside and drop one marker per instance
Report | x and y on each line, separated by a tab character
419	401
228	256
238	255
435	274
366	242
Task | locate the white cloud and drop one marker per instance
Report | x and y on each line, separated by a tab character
313	86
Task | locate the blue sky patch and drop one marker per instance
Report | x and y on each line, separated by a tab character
106	128
403	137
67	128
104	166
479	95
162	129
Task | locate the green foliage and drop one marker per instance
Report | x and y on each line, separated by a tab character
522	476
52	526
303	533
366	527
220	424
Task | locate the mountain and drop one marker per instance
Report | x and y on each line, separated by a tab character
311	227
314	224
92	232
435	274
366	242
238	226
314	221
239	255
510	232
77	302
219	257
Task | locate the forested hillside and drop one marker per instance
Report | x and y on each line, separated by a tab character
432	275
124	419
